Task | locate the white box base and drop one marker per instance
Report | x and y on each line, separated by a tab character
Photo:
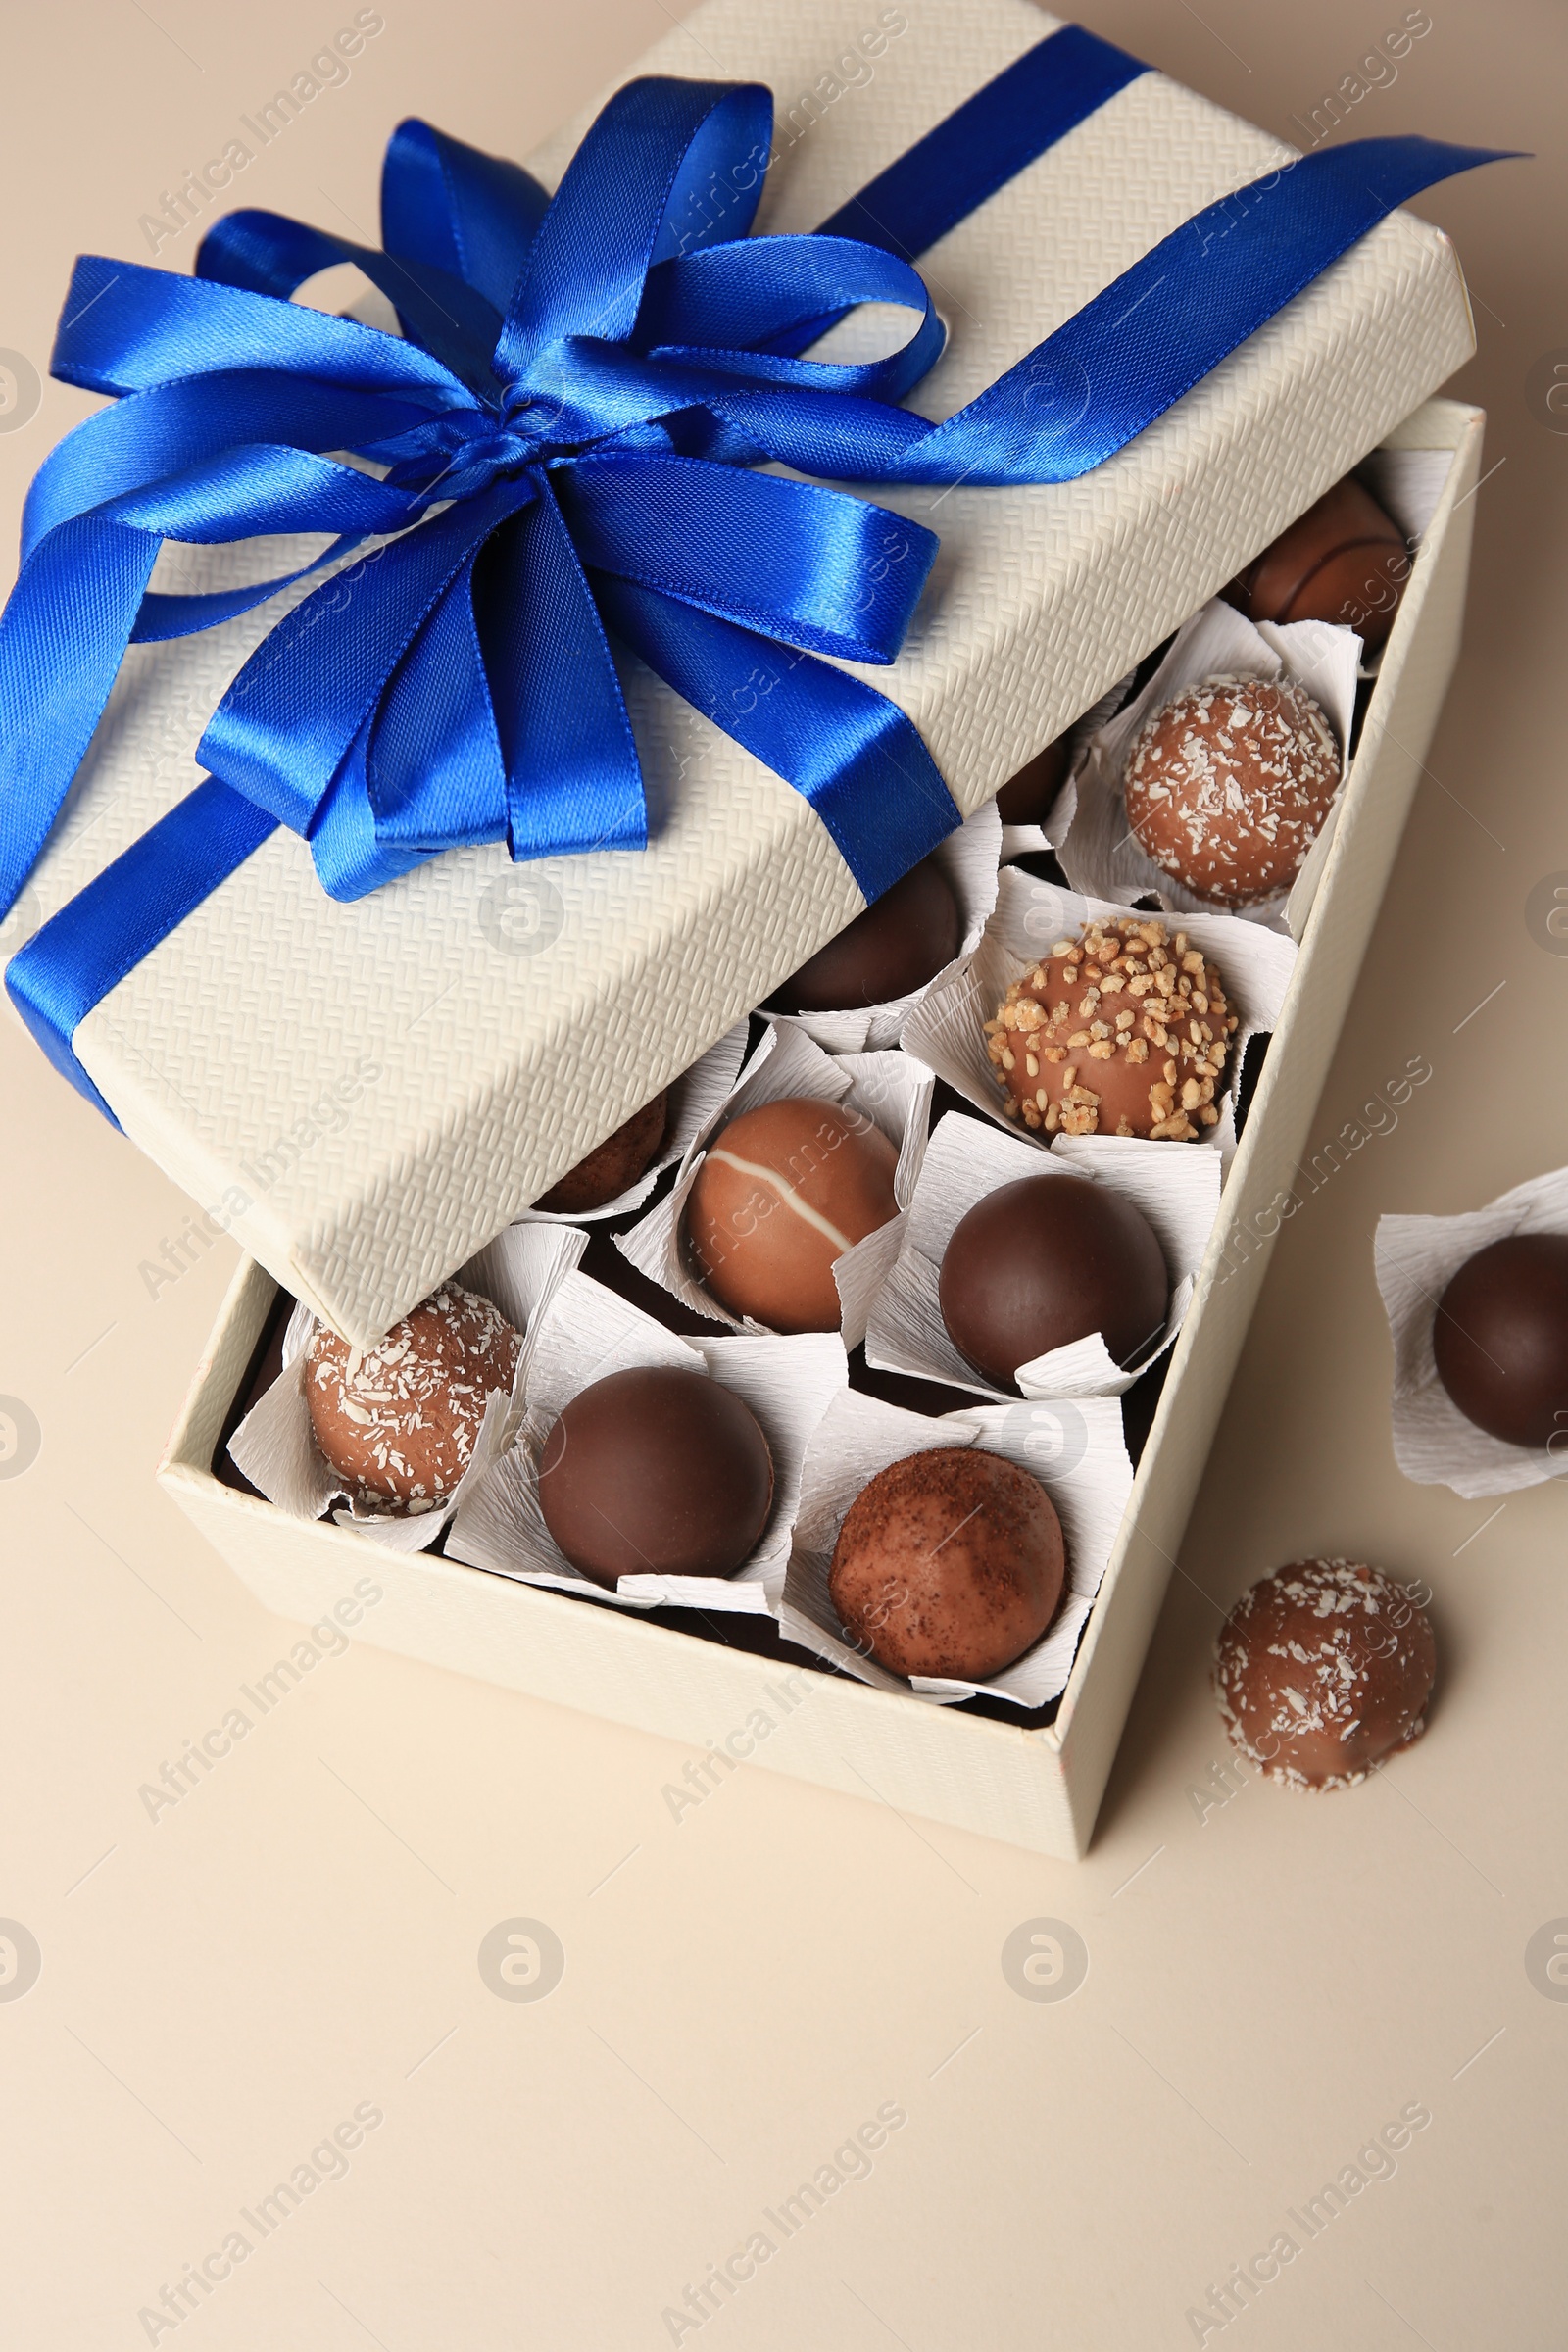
1038	1789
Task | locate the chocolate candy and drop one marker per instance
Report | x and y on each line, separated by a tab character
1344	561
1047	1261
398	1421
612	1166
1026	799
949	1563
1500	1339
784	1191
1227	786
1124	1031
900	940
657	1472
1322	1668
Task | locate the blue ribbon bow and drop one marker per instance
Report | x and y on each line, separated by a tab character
563	445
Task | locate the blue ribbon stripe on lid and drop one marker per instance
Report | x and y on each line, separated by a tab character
561	448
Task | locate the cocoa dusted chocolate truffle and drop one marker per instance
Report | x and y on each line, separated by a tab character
899	943
783	1191
655	1472
1227	786
1124	1031
1500	1339
1344	561
613	1165
1323	1669
949	1563
1026	799
1047	1261
398	1421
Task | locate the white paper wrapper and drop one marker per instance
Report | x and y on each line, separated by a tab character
588	1333
275	1445
1074	1448
1178	1192
948	1030
1089	825
970	859
694	1096
1416	1259
891	1088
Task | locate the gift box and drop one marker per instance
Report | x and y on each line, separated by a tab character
367	1090
1031	1776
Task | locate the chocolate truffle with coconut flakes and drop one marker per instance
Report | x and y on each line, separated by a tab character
1227	786
949	1563
1323	1669
398	1421
1124	1031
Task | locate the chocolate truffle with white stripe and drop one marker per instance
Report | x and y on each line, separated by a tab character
398	1421
1323	1669
784	1191
1227	786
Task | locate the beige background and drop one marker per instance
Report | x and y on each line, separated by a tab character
1270	1979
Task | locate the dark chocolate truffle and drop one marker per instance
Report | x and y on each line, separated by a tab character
949	1563
612	1166
1047	1261
398	1421
1344	561
1026	799
783	1191
655	1472
1227	786
1500	1339
900	940
1124	1031
1322	1668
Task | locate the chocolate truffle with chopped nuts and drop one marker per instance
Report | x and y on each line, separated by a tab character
1227	786
398	1421
1323	1669
1124	1031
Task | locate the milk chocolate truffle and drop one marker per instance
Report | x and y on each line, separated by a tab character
949	1563
1322	1668
658	1472
900	940
784	1191
398	1421
1026	798
1344	561
1047	1261
612	1166
1227	786
1500	1339
1124	1031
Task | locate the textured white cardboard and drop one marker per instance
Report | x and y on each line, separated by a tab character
371	1092
1032	1785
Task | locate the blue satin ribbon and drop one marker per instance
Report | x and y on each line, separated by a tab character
563	445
